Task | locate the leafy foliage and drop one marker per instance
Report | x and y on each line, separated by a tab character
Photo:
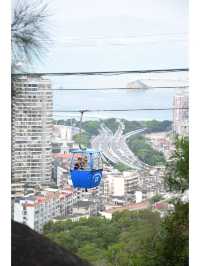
157	126
131	125
29	33
91	127
144	151
122	167
111	123
151	126
121	241
173	243
177	174
156	198
83	139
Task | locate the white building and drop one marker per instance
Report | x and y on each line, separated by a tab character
63	135
138	196
120	184
36	210
62	176
131	181
181	116
31	132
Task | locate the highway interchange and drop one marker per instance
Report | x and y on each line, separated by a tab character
115	148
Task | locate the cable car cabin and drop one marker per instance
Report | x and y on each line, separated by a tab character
86	168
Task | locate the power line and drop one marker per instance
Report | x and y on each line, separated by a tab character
120	110
100	73
135	88
100	37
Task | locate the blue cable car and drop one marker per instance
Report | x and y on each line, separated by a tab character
86	168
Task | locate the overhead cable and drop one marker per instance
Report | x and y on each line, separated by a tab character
120	110
126	88
101	73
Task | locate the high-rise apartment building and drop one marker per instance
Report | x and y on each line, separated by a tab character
181	115
32	103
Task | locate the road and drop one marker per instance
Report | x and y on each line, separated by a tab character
115	148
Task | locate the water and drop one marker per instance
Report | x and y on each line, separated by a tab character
118	99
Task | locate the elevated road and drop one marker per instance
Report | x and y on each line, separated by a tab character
127	135
115	148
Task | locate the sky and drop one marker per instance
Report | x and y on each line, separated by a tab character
106	35
99	35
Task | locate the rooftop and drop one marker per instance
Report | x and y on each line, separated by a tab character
131	207
43	196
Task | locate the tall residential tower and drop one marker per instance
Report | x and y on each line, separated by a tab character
181	114
32	104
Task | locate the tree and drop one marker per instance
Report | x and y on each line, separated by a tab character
29	36
173	244
91	127
125	240
122	167
156	198
144	151
92	253
157	126
177	174
82	138
111	123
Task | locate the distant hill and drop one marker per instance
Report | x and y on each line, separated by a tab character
32	249
137	84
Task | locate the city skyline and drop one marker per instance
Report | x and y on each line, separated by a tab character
105	184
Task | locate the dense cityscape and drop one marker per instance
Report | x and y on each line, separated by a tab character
99	158
41	185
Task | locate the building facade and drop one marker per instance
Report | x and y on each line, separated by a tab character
32	104
35	210
181	115
120	184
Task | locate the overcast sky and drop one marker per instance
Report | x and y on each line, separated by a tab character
95	35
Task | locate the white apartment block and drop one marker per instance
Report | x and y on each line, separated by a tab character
32	104
63	137
181	116
35	210
153	181
120	184
64	133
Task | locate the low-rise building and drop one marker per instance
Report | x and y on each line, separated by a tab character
131	207
120	184
62	176
152	181
35	210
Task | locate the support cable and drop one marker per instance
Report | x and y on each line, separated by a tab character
135	88
120	110
104	73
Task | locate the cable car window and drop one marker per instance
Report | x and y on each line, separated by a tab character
86	168
80	162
